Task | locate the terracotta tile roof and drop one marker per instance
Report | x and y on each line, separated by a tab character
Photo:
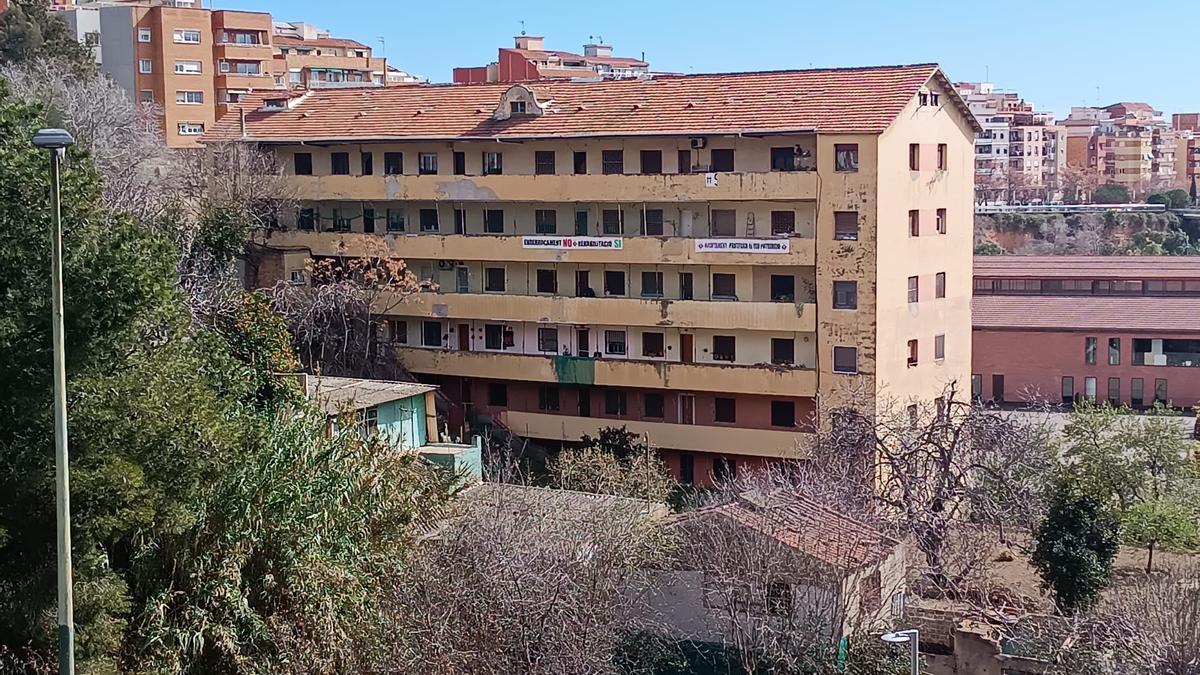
1086	267
848	100
289	41
1070	313
806	526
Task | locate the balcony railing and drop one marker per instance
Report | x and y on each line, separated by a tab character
327	84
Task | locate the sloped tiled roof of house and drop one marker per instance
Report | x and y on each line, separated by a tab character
844	100
807	526
289	41
1065	313
1086	267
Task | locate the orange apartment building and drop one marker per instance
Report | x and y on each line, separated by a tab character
1125	143
309	58
1187	149
700	259
529	60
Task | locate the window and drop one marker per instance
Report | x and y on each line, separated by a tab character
431	333
976	387
941	156
783	288
143	35
340	222
614	282
497	336
548	398
652	222
547	339
684	158
941	221
145	66
845	295
397	330
545	221
652	161
1089	351
1068	390
1089	389
783	222
845	359
339	163
187	67
653	345
189	97
427	163
783	413
297	277
147	96
393	163
579	160
914	290
914	157
493	163
1160	391
460	163
302	163
547	281
1136	392
395	220
914	223
724	223
912	353
652	405
187	36
614	341
722	159
307	219
516	107
429	220
497	394
726	410
724	287
493	279
493	221
687	469
845	157
190	128
1114	390
724	348
1114	351
939	347
368	217
934	98
783	159
612	161
939	285
724	469
783	351
368	164
685	286
845	225
612	222
652	284
543	162
614	402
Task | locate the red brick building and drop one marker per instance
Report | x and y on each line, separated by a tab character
529	61
1065	329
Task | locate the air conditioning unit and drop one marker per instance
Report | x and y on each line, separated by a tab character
698	143
445	264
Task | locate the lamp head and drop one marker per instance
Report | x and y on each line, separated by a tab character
898	637
53	139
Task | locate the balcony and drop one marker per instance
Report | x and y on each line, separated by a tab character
765	186
240	51
245	81
762	380
732	315
328	62
482	247
725	440
348	84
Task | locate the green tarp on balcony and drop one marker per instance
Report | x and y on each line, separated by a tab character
575	370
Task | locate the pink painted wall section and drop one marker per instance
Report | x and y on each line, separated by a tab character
474	75
1033	363
512	67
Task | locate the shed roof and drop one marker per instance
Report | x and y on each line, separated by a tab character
338	394
1086	267
1090	312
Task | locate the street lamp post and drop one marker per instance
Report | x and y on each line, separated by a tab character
57	141
912	637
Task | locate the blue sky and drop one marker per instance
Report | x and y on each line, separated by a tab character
1055	53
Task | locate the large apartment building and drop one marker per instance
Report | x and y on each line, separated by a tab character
1125	143
1072	328
529	60
1020	152
1187	148
705	260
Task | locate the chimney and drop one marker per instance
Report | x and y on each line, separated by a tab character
531	42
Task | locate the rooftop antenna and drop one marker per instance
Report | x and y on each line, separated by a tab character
382	46
522	26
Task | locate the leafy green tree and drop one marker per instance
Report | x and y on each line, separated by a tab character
616	441
1159	522
989	247
1172	199
1111	193
1160	242
1095	450
1075	546
29	32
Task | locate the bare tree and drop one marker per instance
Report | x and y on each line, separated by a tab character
1155	621
335	318
523	579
